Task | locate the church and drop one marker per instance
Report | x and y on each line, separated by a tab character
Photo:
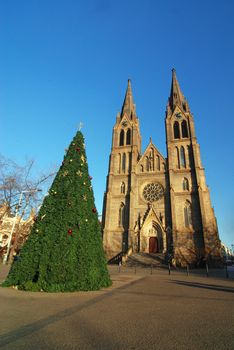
159	205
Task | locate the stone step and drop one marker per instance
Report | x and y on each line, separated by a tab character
146	260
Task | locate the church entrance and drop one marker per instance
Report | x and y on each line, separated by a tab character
153	245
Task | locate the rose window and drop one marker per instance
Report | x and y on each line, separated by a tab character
153	192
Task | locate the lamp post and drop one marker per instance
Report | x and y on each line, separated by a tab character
13	226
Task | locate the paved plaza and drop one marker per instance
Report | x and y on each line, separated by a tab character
144	309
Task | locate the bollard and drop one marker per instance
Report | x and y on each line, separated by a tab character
207	270
151	269
119	266
169	269
187	270
227	276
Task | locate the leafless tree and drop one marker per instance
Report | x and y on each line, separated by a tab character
16	179
17	182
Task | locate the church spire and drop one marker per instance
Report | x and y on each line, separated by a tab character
128	105
176	97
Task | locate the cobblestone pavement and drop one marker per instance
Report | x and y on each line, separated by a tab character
149	309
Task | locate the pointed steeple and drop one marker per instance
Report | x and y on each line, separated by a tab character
128	105
176	97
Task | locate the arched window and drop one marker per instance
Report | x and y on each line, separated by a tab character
128	140
129	161
123	162
176	130
190	155
185	184
142	168
182	157
121	138
119	162
151	160
121	215
184	128
177	158
147	163
187	214
122	188
158	162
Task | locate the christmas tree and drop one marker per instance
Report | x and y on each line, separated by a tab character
64	250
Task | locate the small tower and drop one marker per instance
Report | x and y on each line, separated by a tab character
194	227
125	151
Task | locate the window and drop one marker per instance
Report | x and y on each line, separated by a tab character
185	184
158	162
147	163
187	214
122	188
119	163
177	158
184	128
182	157
129	161
176	130
121	214
190	154
151	160
128	141
121	138
123	162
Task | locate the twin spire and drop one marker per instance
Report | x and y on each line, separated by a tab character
176	98
128	105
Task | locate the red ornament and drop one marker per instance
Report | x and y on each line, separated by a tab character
94	210
69	232
78	149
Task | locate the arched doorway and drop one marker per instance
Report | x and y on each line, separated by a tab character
153	245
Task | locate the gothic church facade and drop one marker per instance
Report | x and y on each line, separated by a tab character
154	204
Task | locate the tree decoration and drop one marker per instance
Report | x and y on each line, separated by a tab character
94	210
78	149
90	177
50	260
70	160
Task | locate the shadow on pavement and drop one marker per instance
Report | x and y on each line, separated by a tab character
26	330
205	286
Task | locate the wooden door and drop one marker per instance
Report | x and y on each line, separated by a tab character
153	245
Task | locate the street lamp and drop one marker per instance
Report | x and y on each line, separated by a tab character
13	226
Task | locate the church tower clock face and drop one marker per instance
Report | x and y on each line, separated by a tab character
153	192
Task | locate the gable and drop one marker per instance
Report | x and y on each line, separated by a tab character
151	160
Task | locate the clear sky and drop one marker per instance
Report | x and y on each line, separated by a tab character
66	61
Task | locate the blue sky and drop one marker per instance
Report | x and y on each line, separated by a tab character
66	61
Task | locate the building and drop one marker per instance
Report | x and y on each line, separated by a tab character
21	230
154	204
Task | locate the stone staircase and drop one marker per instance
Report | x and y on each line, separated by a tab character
146	260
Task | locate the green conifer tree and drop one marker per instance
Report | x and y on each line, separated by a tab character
64	250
